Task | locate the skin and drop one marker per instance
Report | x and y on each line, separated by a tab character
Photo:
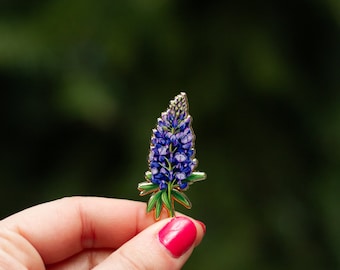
87	233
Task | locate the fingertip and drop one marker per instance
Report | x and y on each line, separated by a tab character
201	231
203	226
178	235
166	244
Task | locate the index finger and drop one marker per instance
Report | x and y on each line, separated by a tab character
64	227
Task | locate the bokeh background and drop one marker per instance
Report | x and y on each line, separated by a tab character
82	83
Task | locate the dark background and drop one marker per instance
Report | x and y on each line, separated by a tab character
82	83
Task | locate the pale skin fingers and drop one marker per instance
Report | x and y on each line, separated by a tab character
56	233
144	252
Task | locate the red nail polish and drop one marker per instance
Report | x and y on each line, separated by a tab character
178	235
202	225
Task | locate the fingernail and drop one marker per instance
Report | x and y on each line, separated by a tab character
202	225
178	235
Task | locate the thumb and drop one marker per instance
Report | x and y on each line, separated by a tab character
167	244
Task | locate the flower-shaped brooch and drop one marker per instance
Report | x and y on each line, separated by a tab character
172	159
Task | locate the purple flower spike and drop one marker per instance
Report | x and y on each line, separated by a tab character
171	160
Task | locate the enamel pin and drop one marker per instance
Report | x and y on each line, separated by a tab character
172	161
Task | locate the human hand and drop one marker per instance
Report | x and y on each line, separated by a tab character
95	233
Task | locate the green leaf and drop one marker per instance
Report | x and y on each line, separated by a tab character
147	187
148	175
153	200
166	200
194	177
159	206
181	198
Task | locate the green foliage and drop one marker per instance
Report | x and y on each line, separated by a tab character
181	198
195	176
147	187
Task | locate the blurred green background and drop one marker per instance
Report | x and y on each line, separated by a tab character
82	83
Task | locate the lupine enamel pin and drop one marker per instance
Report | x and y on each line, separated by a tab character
172	161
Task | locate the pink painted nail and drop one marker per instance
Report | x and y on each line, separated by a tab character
178	235
202	225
